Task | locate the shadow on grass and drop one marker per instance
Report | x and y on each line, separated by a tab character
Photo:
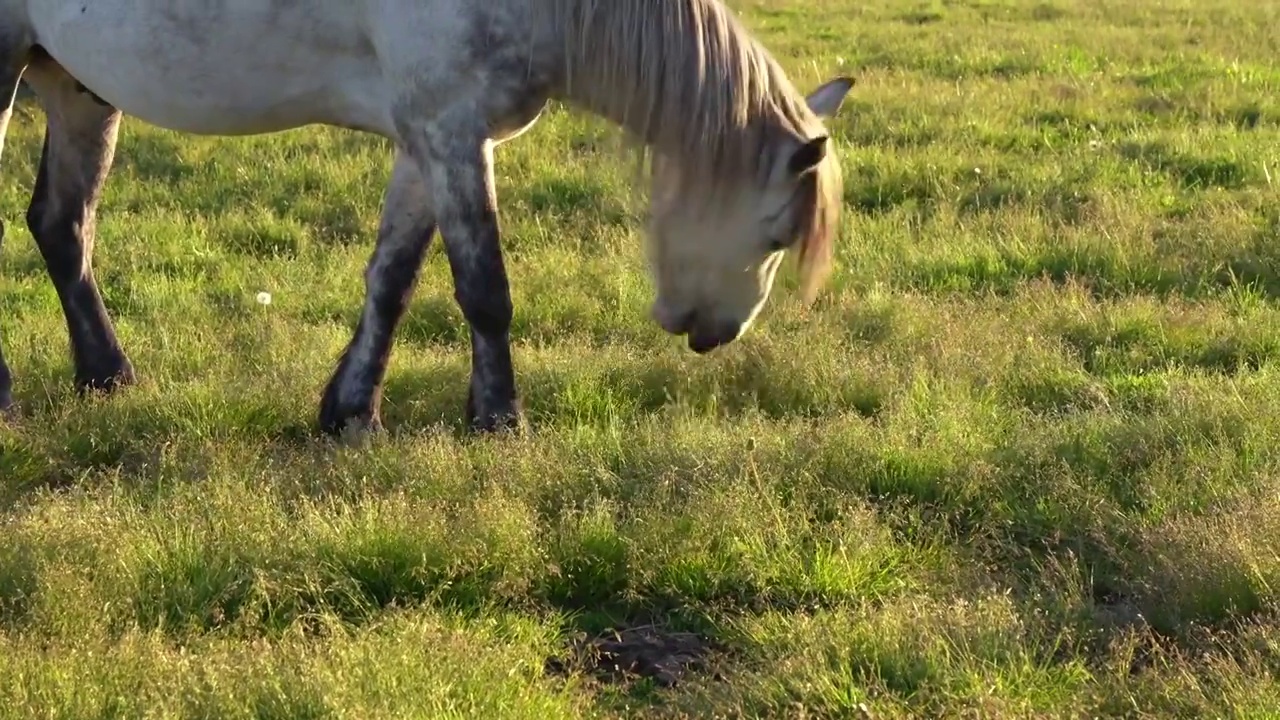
19	574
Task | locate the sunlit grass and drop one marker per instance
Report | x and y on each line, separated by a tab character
1021	460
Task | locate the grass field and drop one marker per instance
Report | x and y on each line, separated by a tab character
1022	460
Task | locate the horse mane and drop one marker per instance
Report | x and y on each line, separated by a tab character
690	82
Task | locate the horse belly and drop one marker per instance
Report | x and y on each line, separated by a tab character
223	104
240	74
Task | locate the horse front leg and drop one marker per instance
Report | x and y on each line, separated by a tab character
456	160
354	393
79	147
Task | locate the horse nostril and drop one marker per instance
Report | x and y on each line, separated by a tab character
705	338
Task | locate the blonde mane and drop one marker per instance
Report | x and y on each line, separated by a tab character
688	80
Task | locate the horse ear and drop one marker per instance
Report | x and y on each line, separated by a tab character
826	100
807	156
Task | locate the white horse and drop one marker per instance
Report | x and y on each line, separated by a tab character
742	170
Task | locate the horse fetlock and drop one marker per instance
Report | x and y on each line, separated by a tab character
105	374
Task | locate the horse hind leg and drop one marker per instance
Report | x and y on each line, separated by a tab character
10	75
79	146
6	377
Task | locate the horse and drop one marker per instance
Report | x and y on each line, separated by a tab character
740	167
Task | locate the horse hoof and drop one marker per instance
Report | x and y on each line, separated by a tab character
498	424
338	418
509	420
106	381
345	421
357	430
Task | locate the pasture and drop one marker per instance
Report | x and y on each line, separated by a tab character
1021	459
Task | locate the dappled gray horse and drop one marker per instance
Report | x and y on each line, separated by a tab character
740	171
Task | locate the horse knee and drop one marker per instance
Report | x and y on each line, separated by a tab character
60	243
35	218
487	309
36	208
483	292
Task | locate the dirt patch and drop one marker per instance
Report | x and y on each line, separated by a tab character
628	654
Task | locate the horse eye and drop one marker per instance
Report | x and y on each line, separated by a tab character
778	245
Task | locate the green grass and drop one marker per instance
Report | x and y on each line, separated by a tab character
1022	460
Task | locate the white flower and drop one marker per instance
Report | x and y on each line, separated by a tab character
264	298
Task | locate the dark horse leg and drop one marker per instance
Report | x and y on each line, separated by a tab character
79	146
6	385
443	180
10	74
354	392
451	190
6	378
457	161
